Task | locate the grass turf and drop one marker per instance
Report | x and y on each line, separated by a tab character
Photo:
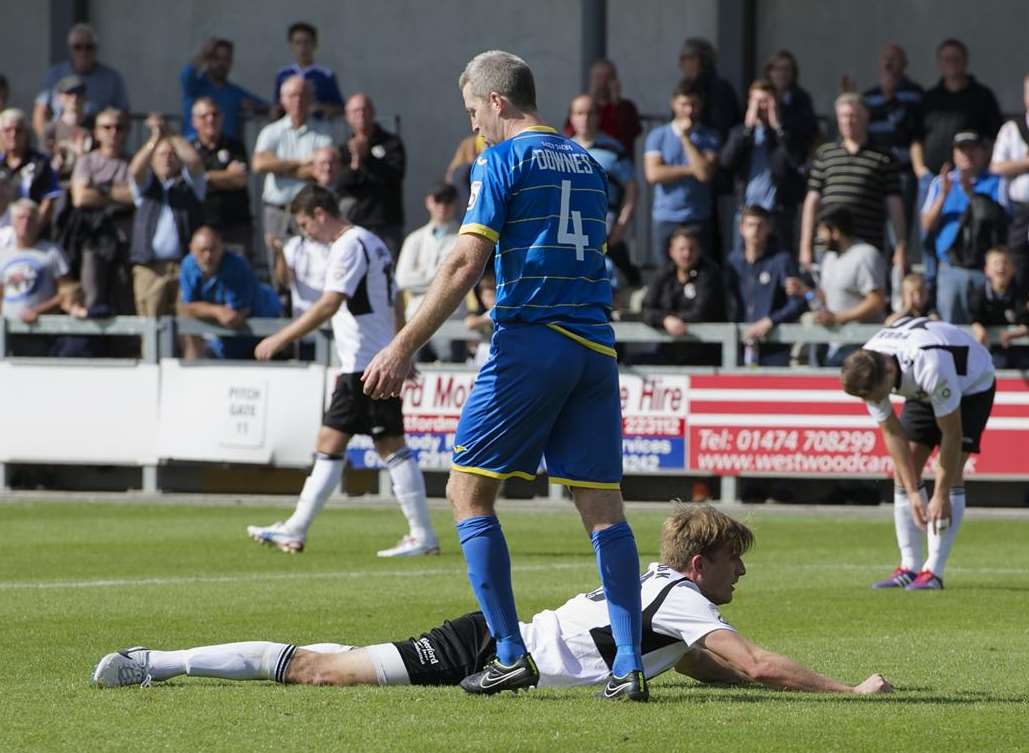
78	580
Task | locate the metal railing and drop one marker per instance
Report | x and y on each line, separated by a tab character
158	335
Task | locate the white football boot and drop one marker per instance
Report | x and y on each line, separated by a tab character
130	666
279	536
409	546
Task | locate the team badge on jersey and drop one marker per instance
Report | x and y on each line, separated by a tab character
473	194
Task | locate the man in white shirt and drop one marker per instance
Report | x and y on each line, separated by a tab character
31	273
947	380
359	296
284	150
701	551
423	253
1011	161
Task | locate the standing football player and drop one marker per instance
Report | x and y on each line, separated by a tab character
360	298
549	389
947	380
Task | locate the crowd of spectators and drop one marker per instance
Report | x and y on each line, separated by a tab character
828	220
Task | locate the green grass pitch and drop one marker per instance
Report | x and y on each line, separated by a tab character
78	580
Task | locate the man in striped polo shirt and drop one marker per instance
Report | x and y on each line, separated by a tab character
853	174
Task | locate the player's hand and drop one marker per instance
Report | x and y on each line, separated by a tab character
386	374
938	514
267	348
874	684
917	509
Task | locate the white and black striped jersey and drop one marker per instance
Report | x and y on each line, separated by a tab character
361	268
573	644
939	364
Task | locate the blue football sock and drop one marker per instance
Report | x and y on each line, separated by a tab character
489	572
619	566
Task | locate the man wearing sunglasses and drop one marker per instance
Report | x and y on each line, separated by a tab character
104	85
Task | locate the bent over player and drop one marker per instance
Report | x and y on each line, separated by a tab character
550	386
701	551
360	298
947	380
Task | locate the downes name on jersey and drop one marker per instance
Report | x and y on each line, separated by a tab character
938	363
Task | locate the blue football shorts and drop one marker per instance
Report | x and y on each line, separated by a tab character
542	395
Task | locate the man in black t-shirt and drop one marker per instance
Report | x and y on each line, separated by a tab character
227	203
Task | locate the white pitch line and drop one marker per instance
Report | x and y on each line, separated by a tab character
588	564
250	577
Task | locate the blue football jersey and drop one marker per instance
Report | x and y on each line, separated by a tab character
543	199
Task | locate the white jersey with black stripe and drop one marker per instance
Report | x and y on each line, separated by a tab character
360	267
939	364
573	645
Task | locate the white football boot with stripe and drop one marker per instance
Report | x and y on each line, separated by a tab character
278	535
409	546
130	666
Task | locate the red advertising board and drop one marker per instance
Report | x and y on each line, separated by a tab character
802	425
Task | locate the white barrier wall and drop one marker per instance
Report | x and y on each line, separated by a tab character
267	414
77	413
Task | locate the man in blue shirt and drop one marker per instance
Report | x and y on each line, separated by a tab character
220	288
303	41
550	387
946	202
757	275
207	75
680	161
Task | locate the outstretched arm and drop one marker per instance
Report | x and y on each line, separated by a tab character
386	373
777	671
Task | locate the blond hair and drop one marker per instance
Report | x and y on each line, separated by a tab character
700	529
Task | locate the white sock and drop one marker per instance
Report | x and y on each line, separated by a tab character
940	543
909	535
320	484
249	660
409	489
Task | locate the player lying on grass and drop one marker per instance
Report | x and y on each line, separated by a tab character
701	551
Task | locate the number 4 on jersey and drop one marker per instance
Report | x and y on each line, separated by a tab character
574	236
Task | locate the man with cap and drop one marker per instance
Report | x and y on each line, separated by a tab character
949	196
67	136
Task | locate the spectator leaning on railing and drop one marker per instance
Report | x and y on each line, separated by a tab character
218	286
31	273
962	217
168	186
104	85
756	280
688	290
852	286
1000	303
97	231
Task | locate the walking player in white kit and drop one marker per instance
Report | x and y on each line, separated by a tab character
947	380
360	297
